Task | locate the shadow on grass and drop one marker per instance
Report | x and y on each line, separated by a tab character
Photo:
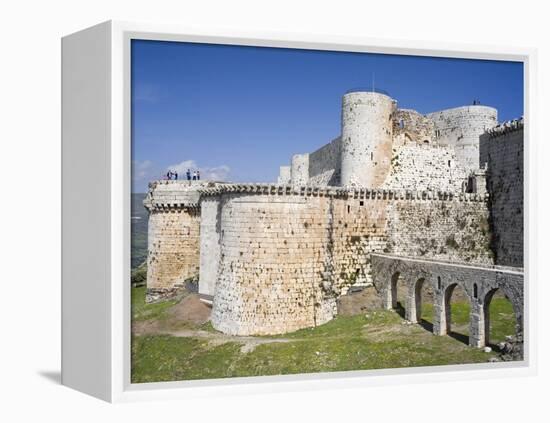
399	309
426	325
459	337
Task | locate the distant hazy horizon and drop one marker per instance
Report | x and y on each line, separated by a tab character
238	113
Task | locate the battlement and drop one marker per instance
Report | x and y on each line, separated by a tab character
175	194
336	192
505	127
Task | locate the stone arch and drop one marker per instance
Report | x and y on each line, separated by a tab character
415	309
446	315
393	289
486	315
393	302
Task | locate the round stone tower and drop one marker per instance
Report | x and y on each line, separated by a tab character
461	128
366	138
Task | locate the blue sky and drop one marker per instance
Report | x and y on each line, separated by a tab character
238	113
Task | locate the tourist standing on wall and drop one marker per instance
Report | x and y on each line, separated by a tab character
188	174
198	176
195	175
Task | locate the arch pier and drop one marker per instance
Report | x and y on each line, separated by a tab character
479	282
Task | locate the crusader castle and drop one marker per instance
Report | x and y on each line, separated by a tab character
434	198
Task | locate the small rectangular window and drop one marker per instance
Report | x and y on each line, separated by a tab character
361	203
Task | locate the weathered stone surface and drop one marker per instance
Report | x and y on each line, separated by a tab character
480	282
366	138
276	258
173	235
501	153
461	128
426	167
286	255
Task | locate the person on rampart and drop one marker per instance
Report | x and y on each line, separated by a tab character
188	174
198	176
195	175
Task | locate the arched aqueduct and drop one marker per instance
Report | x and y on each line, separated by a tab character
478	282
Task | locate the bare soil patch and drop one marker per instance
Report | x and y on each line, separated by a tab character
191	309
360	302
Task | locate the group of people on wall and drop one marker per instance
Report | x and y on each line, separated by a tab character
173	175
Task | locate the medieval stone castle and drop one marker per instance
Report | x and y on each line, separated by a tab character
434	198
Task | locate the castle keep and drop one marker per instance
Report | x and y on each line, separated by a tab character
274	258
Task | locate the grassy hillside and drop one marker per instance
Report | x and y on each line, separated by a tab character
139	230
375	340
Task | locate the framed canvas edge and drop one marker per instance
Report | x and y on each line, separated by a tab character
122	390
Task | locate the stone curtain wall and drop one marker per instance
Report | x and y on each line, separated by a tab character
287	253
366	139
360	227
425	167
324	165
461	128
479	282
502	151
455	229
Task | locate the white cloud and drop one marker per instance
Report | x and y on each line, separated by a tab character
217	173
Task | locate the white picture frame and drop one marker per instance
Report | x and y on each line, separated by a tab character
96	227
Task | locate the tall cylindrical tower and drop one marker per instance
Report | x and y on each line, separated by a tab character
366	138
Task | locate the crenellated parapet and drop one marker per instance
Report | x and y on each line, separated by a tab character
341	192
505	128
274	258
175	194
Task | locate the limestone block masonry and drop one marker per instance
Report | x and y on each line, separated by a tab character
286	254
444	188
173	235
501	153
425	167
367	124
478	281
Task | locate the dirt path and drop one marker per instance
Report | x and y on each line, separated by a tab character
248	343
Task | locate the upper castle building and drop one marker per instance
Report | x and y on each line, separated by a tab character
382	146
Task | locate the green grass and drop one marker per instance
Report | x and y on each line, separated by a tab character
142	311
375	340
502	318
